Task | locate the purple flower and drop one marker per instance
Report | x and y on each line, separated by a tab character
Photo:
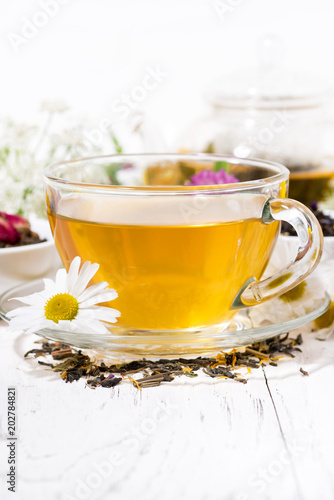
209	178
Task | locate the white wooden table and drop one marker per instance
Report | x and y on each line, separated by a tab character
197	439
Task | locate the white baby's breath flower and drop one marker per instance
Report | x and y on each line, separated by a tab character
16	134
67	303
26	149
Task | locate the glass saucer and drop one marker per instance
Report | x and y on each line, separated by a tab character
122	345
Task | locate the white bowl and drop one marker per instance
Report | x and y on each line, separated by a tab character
29	262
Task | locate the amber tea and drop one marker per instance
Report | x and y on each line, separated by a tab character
168	276
311	185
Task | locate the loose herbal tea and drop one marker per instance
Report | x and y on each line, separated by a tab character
15	231
144	373
326	222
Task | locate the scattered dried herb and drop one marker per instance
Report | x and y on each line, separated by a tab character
76	365
62	353
326	222
103	381
304	372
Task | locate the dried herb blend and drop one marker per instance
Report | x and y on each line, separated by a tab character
326	222
75	365
15	231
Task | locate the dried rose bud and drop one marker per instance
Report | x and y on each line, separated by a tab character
17	221
8	233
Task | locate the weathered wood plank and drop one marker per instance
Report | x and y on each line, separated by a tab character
305	406
209	439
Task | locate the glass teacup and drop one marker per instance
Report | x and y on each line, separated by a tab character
183	257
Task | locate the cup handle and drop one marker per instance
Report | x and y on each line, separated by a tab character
309	253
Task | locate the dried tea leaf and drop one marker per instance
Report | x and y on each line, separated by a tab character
154	373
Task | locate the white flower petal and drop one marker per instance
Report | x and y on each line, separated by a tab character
49	286
95	326
67	325
21	324
32	327
325	333
87	272
84	325
25	325
46	295
24	317
105	314
61	281
97	299
36	327
25	311
91	317
92	290
48	323
31	300
73	274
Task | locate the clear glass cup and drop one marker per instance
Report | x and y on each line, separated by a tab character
183	258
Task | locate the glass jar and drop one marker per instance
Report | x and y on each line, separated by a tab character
276	115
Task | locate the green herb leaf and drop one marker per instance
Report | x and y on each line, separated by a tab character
112	170
221	165
117	145
27	191
210	148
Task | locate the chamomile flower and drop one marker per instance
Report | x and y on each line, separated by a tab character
295	303
67	303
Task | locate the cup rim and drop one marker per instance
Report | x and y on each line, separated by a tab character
281	174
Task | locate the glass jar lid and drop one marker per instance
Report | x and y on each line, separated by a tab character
270	85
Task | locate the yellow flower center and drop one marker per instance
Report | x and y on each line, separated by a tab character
326	319
62	306
295	293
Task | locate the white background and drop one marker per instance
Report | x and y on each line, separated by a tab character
90	52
